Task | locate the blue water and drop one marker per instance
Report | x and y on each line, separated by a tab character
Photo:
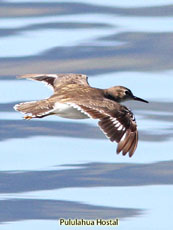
53	167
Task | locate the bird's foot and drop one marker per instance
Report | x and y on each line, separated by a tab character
27	117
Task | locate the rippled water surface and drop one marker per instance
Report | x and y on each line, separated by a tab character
56	168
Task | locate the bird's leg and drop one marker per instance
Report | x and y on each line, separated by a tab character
27	117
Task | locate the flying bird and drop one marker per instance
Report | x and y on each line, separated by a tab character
74	98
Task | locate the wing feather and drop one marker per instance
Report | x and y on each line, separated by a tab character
57	80
118	126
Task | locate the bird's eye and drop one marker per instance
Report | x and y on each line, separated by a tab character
127	92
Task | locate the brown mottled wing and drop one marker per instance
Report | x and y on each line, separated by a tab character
57	80
121	127
118	125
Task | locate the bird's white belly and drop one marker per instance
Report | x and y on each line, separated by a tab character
67	111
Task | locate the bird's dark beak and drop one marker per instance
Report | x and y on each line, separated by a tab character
140	99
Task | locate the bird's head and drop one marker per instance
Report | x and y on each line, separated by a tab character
121	93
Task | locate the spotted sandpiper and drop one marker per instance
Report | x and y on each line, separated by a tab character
74	98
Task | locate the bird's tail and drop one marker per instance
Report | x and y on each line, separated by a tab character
34	109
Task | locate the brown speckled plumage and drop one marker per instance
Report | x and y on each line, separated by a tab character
72	90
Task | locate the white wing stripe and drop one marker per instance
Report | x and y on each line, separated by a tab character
120	127
79	109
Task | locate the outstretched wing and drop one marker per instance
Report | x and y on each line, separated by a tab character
121	128
57	80
118	125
